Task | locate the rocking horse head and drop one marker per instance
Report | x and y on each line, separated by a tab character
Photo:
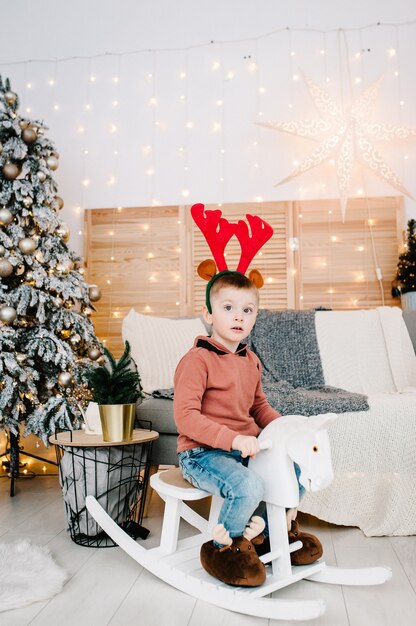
295	439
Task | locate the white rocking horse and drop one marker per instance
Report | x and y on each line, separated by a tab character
289	439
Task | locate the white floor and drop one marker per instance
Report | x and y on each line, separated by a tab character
107	587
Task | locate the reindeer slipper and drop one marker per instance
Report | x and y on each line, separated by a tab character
310	551
237	562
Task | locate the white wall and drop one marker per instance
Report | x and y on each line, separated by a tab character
132	161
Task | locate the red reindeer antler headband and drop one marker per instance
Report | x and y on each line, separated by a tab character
217	232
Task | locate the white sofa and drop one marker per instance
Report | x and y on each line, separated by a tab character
374	451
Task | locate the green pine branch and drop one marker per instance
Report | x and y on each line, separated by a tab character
115	382
406	266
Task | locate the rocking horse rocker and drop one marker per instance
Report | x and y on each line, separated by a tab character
284	441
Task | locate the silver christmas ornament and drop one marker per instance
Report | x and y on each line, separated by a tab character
27	245
52	162
41	176
65	379
29	275
29	135
6	268
58	302
76	307
10	171
10	97
6	216
8	314
94	353
94	293
27	201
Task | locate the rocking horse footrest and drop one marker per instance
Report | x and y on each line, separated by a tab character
276	554
296	545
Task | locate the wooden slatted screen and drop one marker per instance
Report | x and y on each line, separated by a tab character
133	254
146	258
336	263
274	261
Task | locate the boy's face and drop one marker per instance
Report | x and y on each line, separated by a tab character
234	313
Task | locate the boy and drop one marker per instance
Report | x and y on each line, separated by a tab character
219	409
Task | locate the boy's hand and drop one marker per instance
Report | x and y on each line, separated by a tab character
248	446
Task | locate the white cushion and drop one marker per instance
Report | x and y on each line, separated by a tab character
158	344
353	351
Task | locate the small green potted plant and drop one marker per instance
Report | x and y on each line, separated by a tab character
115	387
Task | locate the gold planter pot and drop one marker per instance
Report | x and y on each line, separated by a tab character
117	421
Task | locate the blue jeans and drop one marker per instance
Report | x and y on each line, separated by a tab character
226	474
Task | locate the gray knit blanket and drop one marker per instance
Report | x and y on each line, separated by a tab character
292	376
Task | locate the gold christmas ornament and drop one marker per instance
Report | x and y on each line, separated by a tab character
20	357
6	216
87	311
65	379
65	333
94	353
64	267
8	314
52	162
1	147
24	124
75	340
10	97
59	202
10	171
63	231
19	270
345	136
27	201
29	135
2	250
27	245
94	292
6	268
41	176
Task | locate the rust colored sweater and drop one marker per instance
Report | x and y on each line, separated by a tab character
218	395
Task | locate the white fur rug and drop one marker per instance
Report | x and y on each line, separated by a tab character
28	574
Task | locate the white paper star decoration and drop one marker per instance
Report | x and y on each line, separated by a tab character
345	137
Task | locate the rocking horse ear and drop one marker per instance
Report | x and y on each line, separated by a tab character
322	420
256	278
207	269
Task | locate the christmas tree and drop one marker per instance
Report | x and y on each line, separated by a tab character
47	341
406	267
